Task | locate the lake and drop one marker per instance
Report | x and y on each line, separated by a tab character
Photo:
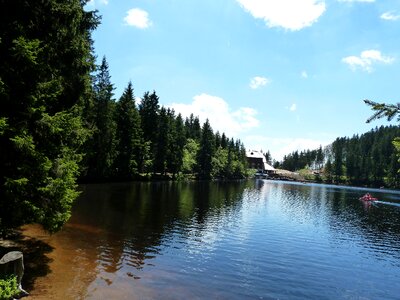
255	239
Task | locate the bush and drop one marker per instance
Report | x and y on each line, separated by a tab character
8	287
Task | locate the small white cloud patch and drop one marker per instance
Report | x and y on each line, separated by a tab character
369	1
390	16
138	18
293	107
94	2
304	75
258	81
289	14
366	60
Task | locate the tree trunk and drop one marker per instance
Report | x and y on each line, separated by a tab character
12	263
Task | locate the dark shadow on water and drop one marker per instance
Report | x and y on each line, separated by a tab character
36	262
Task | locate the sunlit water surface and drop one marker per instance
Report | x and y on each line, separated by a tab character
239	240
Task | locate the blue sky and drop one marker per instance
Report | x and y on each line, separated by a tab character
280	75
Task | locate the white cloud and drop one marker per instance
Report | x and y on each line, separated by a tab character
289	14
366	60
138	100
293	107
304	75
279	147
217	111
258	81
370	1
94	2
138	18
390	16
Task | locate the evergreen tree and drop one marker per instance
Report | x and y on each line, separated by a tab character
45	49
338	159
328	170
383	110
193	128
224	141
206	151
393	174
163	142
103	146
268	157
319	160
129	135
217	140
149	111
175	158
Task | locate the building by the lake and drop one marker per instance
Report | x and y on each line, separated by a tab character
256	160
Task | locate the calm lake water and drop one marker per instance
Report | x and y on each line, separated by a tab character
240	240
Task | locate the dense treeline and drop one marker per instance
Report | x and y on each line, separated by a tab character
368	159
299	160
131	141
60	121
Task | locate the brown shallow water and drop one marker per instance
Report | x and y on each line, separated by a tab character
74	267
78	269
71	269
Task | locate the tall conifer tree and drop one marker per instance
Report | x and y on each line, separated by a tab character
149	111
129	135
206	151
103	151
46	60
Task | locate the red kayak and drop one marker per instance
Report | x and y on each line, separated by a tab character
368	197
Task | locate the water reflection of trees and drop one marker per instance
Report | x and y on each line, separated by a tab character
132	222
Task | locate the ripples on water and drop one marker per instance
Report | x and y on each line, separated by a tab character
241	240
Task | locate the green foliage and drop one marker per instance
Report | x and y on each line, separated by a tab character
393	177
25	51
370	159
296	161
367	159
220	163
44	79
8	287
206	151
128	135
193	128
102	150
229	162
328	171
177	143
146	159
383	110
162	143
190	151
149	113
388	111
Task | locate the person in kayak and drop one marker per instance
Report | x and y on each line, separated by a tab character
368	197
